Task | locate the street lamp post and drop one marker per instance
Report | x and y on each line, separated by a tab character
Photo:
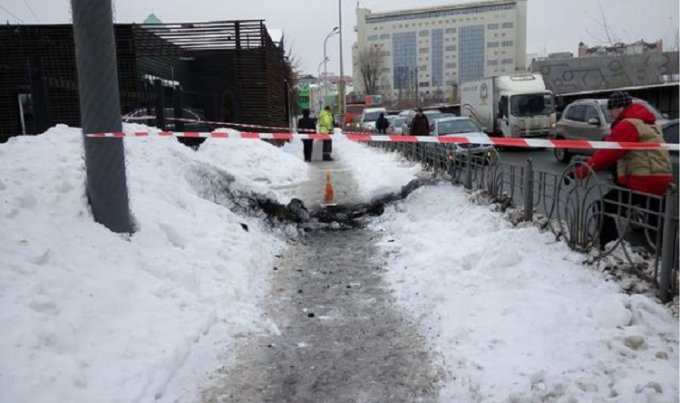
335	31
318	72
341	89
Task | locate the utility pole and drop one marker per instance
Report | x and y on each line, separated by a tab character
106	184
341	83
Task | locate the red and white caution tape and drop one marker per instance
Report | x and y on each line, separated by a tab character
367	137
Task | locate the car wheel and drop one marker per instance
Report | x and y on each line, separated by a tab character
562	154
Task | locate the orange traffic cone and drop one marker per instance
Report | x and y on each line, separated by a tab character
328	190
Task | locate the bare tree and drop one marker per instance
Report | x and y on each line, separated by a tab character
294	64
370	65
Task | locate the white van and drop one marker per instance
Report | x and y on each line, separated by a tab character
369	116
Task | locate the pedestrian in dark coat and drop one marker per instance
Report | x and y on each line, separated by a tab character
382	124
309	126
420	126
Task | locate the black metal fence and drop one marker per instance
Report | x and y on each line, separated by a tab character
583	213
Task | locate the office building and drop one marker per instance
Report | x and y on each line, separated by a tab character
434	49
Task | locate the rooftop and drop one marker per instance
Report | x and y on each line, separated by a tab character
453	7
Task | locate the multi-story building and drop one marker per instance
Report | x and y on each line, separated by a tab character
432	50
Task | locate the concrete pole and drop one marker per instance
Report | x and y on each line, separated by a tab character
106	185
341	88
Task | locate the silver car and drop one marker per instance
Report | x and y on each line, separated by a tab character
589	120
461	126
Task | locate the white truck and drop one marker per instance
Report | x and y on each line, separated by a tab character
510	105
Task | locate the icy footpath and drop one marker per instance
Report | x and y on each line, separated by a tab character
92	316
516	315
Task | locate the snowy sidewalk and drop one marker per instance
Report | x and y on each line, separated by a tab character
311	192
334	335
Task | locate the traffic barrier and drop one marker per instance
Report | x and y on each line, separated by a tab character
368	137
328	195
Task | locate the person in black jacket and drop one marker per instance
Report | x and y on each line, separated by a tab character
309	125
420	126
382	124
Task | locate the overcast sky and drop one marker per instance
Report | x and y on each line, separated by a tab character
553	25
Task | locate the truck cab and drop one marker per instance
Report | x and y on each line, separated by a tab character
522	114
510	105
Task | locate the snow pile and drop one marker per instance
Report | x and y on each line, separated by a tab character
376	172
516	315
92	316
258	165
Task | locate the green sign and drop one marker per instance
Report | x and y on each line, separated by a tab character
303	96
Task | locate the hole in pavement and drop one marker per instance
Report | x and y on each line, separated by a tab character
341	216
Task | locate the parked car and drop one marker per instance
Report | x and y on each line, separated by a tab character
589	119
369	116
396	123
196	120
461	126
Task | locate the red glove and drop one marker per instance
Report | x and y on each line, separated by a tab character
582	171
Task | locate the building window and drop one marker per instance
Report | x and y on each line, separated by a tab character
404	59
492	26
492	63
424	33
507	25
423	50
450	30
451	48
385	36
506	61
471	52
506	43
492	45
372	38
437	57
451	65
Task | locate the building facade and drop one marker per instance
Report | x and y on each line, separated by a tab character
431	50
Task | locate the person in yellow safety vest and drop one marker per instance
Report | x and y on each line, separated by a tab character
326	127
